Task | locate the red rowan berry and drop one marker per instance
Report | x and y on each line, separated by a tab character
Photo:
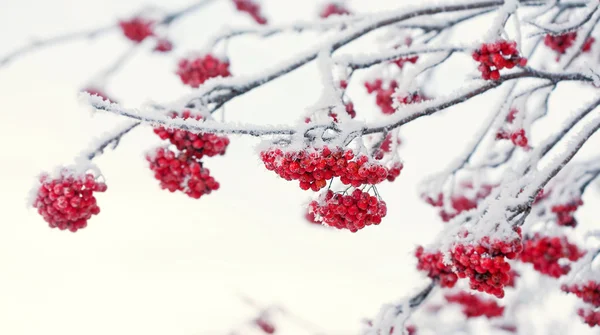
333	9
433	264
68	202
474	306
496	56
195	71
137	29
545	253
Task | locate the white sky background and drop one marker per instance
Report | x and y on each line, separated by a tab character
159	263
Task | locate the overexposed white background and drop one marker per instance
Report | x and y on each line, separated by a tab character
157	263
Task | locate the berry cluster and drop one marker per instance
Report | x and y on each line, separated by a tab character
266	326
252	8
591	317
588	292
333	9
496	56
485	263
394	171
352	212
68	202
564	213
194	72
386	146
560	43
384	95
545	253
137	29
181	172
459	203
197	145
433	264
313	167
474	306
400	62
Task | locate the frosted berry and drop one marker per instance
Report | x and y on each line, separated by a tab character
352	212
590	317
496	56
68	202
313	167
197	145
589	292
519	138
474	306
400	62
564	213
461	203
181	172
163	45
546	254
433	264
485	263
560	43
266	326
394	171
252	8
195	71
137	29
333	9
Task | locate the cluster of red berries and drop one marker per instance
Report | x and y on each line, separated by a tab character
589	292
265	325
384	95
545	253
197	145
352	212
433	264
518	137
98	92
386	147
474	306
459	203
252	8
333	9
560	43
181	172
394	171
400	62
68	202
195	71
564	213
313	167
496	56
485	263
590	316
138	29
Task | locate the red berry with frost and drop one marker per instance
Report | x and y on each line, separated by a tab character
433	264
68	202
474	306
484	263
564	213
519	138
496	56
352	212
394	171
163	45
333	9
546	253
181	172
252	8
590	317
589	292
195	71
197	145
313	167
560	43
137	29
266	326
